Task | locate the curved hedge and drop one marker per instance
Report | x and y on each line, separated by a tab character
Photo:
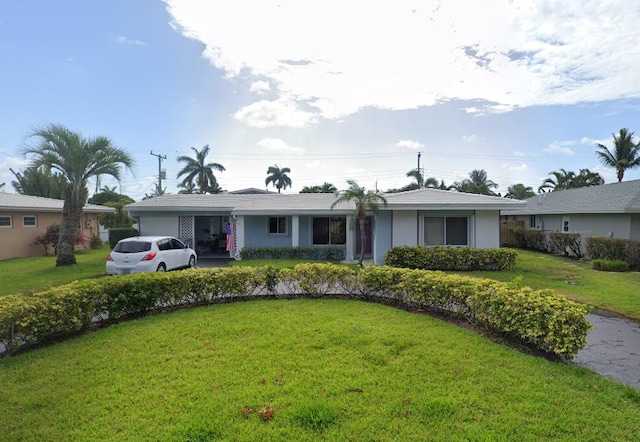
450	258
544	320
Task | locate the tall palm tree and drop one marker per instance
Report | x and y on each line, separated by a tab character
586	178
625	154
198	172
78	159
278	177
39	181
323	188
420	181
477	183
519	192
364	200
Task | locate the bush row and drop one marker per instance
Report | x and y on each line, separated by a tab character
450	258
615	249
609	265
544	320
118	233
556	242
329	253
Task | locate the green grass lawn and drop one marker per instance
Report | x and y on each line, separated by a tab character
316	369
280	263
20	275
614	292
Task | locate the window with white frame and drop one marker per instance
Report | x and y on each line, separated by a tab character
330	230
532	221
446	230
29	221
277	225
5	221
566	225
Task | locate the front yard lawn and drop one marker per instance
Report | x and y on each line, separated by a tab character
303	370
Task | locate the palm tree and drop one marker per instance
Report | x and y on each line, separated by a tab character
561	180
519	192
586	178
40	181
323	188
625	154
78	159
278	177
198	172
364	200
420	181
187	189
477	183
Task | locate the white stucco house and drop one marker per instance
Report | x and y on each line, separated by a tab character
427	216
610	210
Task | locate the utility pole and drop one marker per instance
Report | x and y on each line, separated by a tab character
420	173
160	158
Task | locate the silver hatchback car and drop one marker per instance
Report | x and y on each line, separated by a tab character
149	254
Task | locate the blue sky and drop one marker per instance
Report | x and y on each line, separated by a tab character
333	91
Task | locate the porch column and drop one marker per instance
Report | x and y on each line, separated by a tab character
351	235
239	236
295	231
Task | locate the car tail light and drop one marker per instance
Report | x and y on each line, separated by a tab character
109	258
149	256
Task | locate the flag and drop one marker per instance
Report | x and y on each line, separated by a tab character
230	238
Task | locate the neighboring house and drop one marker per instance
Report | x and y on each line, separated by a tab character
611	210
23	218
427	216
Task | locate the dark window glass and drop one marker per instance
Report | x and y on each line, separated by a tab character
434	231
457	231
132	247
177	244
321	230
29	221
5	221
277	225
338	231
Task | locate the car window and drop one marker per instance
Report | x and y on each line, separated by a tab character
132	247
177	244
164	244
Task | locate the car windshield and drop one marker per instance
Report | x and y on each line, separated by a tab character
132	247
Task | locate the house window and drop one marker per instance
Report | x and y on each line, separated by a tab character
277	225
450	230
29	221
532	221
566	226
5	221
330	230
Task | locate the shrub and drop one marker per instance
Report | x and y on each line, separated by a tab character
51	237
96	242
566	243
450	258
541	318
117	234
615	249
330	253
609	265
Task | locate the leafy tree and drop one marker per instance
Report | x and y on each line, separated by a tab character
625	154
157	191
420	181
563	179
40	181
78	159
278	177
364	200
519	192
477	183
323	188
110	198
197	171
187	189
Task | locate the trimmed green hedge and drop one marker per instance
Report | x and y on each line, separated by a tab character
542	319
450	258
118	233
615	249
609	265
324	253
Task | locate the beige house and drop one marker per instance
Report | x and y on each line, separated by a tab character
23	218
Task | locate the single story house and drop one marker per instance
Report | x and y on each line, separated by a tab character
23	218
610	210
217	223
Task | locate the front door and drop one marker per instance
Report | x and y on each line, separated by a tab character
367	240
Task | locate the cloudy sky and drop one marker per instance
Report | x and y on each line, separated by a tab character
333	90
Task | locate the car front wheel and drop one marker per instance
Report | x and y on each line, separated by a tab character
192	261
161	268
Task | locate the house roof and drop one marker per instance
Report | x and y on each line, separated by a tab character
316	203
17	202
607	198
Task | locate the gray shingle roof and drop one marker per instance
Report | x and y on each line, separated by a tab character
14	201
300	203
608	198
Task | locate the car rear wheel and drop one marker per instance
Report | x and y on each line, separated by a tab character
192	261
161	268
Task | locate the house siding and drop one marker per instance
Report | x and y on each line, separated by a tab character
487	229
382	234
255	233
635	227
158	225
404	228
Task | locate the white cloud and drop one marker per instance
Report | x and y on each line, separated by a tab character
276	144
127	41
341	57
409	144
260	87
560	147
266	113
517	153
15	163
470	138
515	167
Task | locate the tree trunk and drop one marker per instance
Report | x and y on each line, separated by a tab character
69	228
363	238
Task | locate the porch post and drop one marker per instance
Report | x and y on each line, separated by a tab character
295	231
239	235
351	235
